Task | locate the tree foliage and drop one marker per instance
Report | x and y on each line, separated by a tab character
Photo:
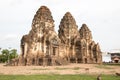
6	55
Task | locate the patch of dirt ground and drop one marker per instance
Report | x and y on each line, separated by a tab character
67	69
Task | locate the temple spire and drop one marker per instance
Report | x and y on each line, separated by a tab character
67	27
85	32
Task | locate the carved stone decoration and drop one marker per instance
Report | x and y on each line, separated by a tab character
85	33
67	28
43	46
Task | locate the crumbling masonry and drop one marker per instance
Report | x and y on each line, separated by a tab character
43	46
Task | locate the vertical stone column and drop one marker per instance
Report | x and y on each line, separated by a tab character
66	51
49	50
36	61
76	60
53	61
40	47
44	46
68	55
87	49
58	51
45	61
73	51
26	48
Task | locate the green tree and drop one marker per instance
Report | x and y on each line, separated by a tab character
7	55
13	54
1	58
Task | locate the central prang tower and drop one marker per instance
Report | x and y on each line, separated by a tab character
68	32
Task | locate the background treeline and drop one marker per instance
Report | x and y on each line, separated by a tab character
6	55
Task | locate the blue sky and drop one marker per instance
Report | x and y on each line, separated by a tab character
101	16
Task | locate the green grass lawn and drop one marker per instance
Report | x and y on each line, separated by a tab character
57	77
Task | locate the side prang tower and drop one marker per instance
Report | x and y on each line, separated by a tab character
90	51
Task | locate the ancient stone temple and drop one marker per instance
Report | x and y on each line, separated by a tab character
43	46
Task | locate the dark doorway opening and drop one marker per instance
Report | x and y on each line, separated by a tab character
40	61
33	61
85	60
54	50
